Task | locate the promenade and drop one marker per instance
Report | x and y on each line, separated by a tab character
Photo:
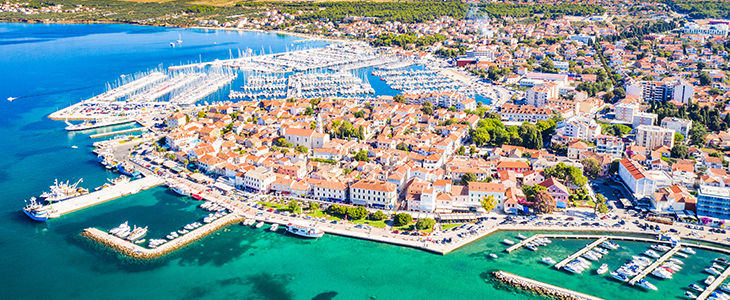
104	195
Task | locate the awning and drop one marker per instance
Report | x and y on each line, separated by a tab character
177	169
223	187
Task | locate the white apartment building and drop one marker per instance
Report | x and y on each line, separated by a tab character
678	125
643	118
537	95
625	111
637	178
683	92
259	180
521	113
330	190
579	127
479	190
653	137
606	144
374	193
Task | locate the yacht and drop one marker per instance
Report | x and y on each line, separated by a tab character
260	224
492	255
725	287
600	250
603	269
680	254
689	294
651	253
712	271
548	260
676	261
508	242
571	269
717	267
181	189
710	279
120	228
722	261
610	245
661	248
531	247
696	287
304	230
522	237
619	276
661	273
137	233
688	250
647	285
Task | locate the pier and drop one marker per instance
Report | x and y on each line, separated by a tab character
580	252
541	287
522	243
136	251
98	135
718	281
94	198
655	264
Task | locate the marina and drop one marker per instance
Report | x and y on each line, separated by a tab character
581	252
716	283
655	264
522	243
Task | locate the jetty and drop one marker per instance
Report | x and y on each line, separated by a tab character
98	135
104	195
655	264
541	287
522	243
136	251
718	281
580	252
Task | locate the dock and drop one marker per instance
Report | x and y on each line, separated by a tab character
522	243
655	264
98	135
718	281
104	195
580	252
136	251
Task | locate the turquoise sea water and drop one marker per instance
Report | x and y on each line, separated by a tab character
50	66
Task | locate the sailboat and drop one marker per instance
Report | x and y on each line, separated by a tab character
11	99
179	39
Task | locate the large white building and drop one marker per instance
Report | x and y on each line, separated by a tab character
679	125
479	190
637	178
610	145
538	95
259	180
580	128
643	118
330	190
625	111
374	193
711	29
683	93
677	90
521	113
306	137
653	137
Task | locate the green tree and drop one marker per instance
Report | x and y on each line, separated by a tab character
362	155
678	137
591	166
619	92
357	213
294	206
697	134
378	216
399	99
313	205
427	108
531	136
488	203
679	151
425	223
201	114
301	149
613	169
468	177
705	79
359	114
600	206
308	111
568	173
402	219
282	142
402	147
461	150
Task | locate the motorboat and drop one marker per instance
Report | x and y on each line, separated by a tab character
571	269
710	279
689	294
661	273
619	276
508	242
531	247
610	245
600	250
713	271
651	253
548	260
492	255
661	248
717	267
696	287
603	269
680	254
725	287
676	261
722	260
647	285
688	250
522	237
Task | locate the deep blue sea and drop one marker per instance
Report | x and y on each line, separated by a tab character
50	66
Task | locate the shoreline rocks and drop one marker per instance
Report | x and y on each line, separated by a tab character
540	288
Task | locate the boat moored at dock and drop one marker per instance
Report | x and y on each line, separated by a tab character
36	211
304	230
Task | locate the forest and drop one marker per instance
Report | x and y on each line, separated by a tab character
701	9
497	10
404	12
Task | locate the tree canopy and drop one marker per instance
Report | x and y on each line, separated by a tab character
566	173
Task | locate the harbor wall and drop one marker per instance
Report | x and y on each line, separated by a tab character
138	252
540	288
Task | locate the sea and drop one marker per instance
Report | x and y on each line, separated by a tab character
49	66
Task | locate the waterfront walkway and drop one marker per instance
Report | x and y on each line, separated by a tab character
580	252
522	243
98	135
103	195
718	281
655	264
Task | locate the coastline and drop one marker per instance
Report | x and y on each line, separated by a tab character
278	31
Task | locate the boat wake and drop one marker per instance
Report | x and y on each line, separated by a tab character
50	93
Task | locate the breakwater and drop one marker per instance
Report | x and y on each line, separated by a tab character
540	287
138	252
